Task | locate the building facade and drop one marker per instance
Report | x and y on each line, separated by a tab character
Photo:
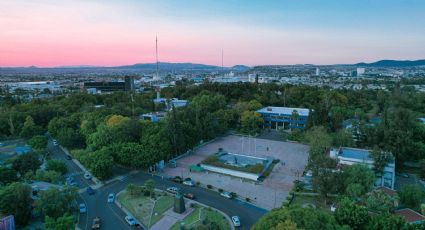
284	117
350	156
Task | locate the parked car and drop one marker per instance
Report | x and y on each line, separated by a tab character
68	157
83	208
236	221
228	195
177	179
188	182
130	220
111	198
55	143
189	196
90	191
96	223
87	176
173	189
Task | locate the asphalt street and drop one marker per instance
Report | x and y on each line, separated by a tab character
113	217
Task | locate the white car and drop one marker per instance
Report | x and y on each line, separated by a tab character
111	198
130	220
173	189
226	194
189	183
236	221
55	143
83	208
87	176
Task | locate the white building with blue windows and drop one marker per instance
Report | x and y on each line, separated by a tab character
350	156
284	117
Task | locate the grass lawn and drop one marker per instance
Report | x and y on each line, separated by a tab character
202	213
144	208
315	200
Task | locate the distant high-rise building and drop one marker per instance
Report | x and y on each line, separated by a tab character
360	71
317	71
129	83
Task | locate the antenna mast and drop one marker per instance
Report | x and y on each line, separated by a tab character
157	63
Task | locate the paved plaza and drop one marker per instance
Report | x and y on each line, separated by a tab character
267	194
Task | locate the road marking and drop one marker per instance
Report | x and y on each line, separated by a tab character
116	214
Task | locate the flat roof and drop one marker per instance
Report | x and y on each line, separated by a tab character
284	110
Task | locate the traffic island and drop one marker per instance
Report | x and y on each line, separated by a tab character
146	209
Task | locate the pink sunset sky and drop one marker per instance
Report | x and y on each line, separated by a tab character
50	33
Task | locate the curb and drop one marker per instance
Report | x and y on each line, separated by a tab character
128	213
94	179
222	213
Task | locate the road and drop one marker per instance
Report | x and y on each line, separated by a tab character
113	217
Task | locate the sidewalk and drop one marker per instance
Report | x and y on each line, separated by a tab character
170	218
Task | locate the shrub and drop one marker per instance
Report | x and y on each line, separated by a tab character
209	186
220	190
247	199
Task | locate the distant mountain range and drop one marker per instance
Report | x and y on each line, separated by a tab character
149	67
181	67
393	63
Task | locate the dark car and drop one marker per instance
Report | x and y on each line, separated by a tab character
189	196
68	157
90	191
177	179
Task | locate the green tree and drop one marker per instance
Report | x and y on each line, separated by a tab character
30	129
58	166
325	177
251	121
134	190
49	176
26	162
319	140
379	201
38	142
381	159
385	222
55	203
358	180
411	195
304	218
65	222
422	168
101	164
15	199
150	186
351	214
7	175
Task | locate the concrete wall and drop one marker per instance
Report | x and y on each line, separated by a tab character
230	172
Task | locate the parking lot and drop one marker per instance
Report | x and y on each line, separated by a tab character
267	194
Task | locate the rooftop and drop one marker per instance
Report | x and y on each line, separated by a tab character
284	110
410	215
387	191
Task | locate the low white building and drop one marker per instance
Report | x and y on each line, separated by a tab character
350	156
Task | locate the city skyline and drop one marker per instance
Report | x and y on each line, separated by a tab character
47	33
